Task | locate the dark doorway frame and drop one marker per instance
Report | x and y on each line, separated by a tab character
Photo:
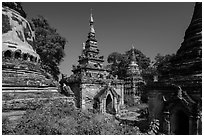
110	105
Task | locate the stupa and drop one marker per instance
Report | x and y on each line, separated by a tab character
176	99
134	80
23	79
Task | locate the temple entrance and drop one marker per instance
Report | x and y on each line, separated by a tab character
7	54
181	123
109	105
17	55
96	104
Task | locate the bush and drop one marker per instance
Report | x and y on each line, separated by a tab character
6	126
129	100
59	118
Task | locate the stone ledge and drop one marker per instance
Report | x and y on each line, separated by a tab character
29	89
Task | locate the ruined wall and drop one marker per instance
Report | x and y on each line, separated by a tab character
88	93
155	102
76	88
119	88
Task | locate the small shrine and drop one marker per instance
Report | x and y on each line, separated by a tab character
90	81
134	79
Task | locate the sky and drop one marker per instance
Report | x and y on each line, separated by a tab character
150	27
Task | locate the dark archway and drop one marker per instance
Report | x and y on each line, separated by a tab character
181	123
39	60
35	59
96	104
109	105
31	58
17	55
7	54
25	56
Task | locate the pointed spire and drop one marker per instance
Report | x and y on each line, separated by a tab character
133	47
133	67
133	59
91	17
83	46
91	22
197	14
193	35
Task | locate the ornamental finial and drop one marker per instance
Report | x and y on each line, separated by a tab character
91	17
91	23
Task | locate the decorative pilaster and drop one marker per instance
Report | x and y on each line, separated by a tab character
190	125
167	122
198	119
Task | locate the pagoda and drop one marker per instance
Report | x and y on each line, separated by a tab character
133	79
90	63
90	81
176	99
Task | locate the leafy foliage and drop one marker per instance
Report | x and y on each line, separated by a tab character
56	118
159	64
119	62
154	127
49	45
129	100
15	6
6	126
161	61
142	60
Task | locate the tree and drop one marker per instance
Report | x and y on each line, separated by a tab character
6	126
129	100
60	118
142	60
156	67
49	45
119	62
15	6
161	61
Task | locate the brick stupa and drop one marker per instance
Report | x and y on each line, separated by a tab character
23	79
176	99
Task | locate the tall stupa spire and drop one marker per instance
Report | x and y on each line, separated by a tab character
188	59
133	58
193	35
133	67
91	22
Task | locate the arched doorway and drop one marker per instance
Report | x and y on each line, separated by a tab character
96	104
109	105
17	55
7	54
180	123
31	58
25	56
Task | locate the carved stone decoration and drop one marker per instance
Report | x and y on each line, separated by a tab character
179	95
167	126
